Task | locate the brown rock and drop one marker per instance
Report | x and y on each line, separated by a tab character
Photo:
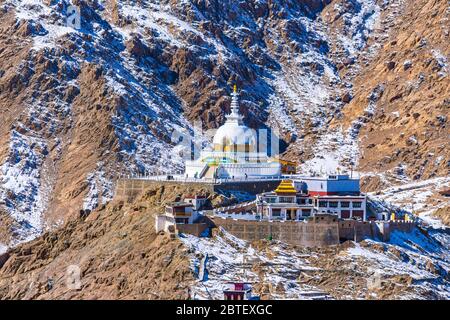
390	65
347	97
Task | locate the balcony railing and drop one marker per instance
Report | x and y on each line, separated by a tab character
181	178
234	156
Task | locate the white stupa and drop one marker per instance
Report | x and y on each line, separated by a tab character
234	152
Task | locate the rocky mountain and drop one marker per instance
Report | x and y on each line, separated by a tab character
346	83
114	253
403	96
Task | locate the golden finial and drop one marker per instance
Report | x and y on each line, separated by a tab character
235	88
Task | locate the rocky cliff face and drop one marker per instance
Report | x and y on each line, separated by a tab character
114	253
401	98
80	106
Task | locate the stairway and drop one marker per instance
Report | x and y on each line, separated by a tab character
208	173
203	272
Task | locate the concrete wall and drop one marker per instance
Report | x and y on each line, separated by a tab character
320	184
248	186
380	230
195	229
401	226
128	189
238	170
163	223
313	233
357	230
317	232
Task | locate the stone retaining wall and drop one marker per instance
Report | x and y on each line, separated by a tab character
195	229
164	223
319	231
128	189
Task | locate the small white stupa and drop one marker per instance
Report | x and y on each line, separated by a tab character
234	152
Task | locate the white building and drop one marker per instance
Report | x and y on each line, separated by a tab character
284	203
338	194
181	212
197	200
296	200
234	152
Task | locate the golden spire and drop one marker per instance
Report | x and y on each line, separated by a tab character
286	187
235	88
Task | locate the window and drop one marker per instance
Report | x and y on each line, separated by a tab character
345	204
333	204
287	199
306	212
301	201
238	286
323	204
345	214
182	220
357	204
276	212
358	214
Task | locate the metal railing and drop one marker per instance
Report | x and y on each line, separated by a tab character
234	156
236	206
181	178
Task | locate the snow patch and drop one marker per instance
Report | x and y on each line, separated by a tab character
227	260
3	248
20	184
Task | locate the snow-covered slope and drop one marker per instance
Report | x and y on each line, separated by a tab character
232	259
410	266
84	106
151	68
420	198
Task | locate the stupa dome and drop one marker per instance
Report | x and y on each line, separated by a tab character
233	135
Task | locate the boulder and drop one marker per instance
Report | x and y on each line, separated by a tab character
390	65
